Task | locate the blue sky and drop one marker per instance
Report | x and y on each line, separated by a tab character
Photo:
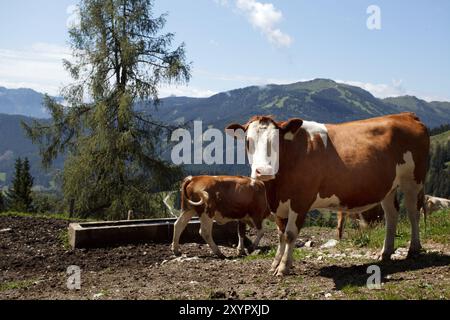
237	43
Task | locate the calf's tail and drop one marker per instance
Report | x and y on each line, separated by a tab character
203	195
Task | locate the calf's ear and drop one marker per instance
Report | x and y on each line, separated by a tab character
292	125
237	130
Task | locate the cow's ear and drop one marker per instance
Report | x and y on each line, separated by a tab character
236	130
292	125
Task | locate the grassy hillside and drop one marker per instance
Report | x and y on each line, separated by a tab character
441	139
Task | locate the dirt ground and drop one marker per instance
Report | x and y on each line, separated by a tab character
34	260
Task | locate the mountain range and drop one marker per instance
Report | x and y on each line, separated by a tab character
320	100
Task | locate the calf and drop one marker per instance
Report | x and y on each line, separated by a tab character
223	199
433	204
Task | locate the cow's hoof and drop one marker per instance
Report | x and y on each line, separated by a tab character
220	255
273	268
281	272
384	257
414	253
176	253
251	249
241	253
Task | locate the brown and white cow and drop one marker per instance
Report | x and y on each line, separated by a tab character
433	204
351	166
223	199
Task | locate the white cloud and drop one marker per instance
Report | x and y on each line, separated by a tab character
380	90
184	91
264	17
38	67
394	89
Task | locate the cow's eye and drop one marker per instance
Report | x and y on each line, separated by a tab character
250	145
269	148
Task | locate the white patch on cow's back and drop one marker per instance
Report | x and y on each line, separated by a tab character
314	128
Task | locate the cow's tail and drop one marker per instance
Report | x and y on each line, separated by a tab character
425	213
203	195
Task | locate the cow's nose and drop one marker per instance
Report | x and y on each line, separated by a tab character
264	171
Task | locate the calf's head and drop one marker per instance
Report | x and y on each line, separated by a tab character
264	137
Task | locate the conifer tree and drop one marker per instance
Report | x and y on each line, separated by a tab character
19	195
112	143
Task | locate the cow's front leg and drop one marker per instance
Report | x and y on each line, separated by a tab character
281	223
206	224
241	234
292	229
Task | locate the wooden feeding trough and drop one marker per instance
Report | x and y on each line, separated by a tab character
116	233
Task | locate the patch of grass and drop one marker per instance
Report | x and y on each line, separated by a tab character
438	227
300	254
2	176
263	255
438	230
280	102
394	291
350	289
64	239
16	285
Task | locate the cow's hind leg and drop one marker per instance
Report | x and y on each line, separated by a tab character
178	228
391	217
413	202
206	225
340	224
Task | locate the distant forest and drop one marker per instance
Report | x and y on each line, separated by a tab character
438	182
438	130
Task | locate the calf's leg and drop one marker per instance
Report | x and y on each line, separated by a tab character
178	228
241	234
259	233
206	224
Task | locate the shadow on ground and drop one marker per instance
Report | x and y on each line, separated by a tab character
357	275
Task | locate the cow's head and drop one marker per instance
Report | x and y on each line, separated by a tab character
263	137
